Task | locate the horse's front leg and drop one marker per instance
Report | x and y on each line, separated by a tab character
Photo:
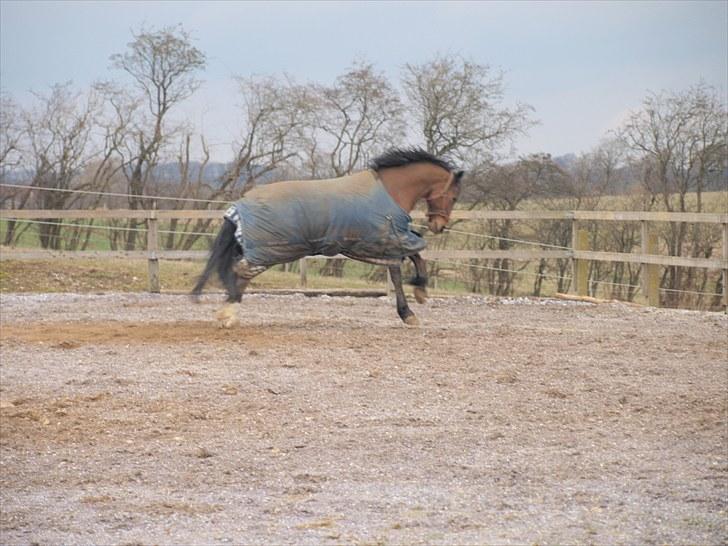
419	281
403	310
243	273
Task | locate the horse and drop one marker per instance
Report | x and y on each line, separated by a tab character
364	216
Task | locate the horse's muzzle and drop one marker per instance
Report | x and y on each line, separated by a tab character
437	223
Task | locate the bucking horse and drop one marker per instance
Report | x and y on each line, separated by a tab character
364	216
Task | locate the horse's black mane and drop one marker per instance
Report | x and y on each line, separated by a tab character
398	157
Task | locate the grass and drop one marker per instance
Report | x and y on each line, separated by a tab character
99	239
118	275
100	275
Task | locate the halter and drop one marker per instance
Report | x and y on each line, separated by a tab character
440	212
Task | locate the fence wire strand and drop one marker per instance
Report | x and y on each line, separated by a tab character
482	236
115	194
112	228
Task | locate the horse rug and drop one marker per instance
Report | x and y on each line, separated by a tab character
353	215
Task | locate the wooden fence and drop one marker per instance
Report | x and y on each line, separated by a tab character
579	252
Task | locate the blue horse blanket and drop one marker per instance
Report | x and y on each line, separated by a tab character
353	215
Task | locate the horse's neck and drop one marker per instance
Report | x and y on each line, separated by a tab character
407	185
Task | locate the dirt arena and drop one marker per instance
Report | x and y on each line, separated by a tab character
133	419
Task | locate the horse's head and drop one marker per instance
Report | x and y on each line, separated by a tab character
441	200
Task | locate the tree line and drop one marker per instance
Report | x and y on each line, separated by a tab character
114	136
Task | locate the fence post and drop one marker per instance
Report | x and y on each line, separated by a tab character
650	275
152	248
302	270
580	268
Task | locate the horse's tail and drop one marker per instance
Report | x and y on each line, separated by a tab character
224	254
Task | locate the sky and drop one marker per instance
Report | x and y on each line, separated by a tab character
582	66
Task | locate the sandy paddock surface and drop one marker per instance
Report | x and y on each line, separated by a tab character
133	419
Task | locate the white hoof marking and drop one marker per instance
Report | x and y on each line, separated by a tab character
227	316
420	294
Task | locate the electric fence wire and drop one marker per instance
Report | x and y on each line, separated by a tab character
482	236
116	194
111	228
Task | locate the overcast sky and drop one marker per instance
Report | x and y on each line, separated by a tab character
581	65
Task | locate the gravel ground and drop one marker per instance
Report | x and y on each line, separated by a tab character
133	419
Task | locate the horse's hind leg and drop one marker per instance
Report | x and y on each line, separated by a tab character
244	273
403	310
228	315
419	281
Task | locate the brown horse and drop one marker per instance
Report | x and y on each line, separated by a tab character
364	216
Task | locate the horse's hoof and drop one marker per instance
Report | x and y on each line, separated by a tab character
227	317
420	294
229	323
411	321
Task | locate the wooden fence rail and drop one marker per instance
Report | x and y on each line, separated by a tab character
579	252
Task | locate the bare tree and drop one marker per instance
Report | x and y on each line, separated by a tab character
681	141
682	138
458	108
272	115
191	182
68	152
358	115
588	177
507	187
163	65
60	139
11	133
